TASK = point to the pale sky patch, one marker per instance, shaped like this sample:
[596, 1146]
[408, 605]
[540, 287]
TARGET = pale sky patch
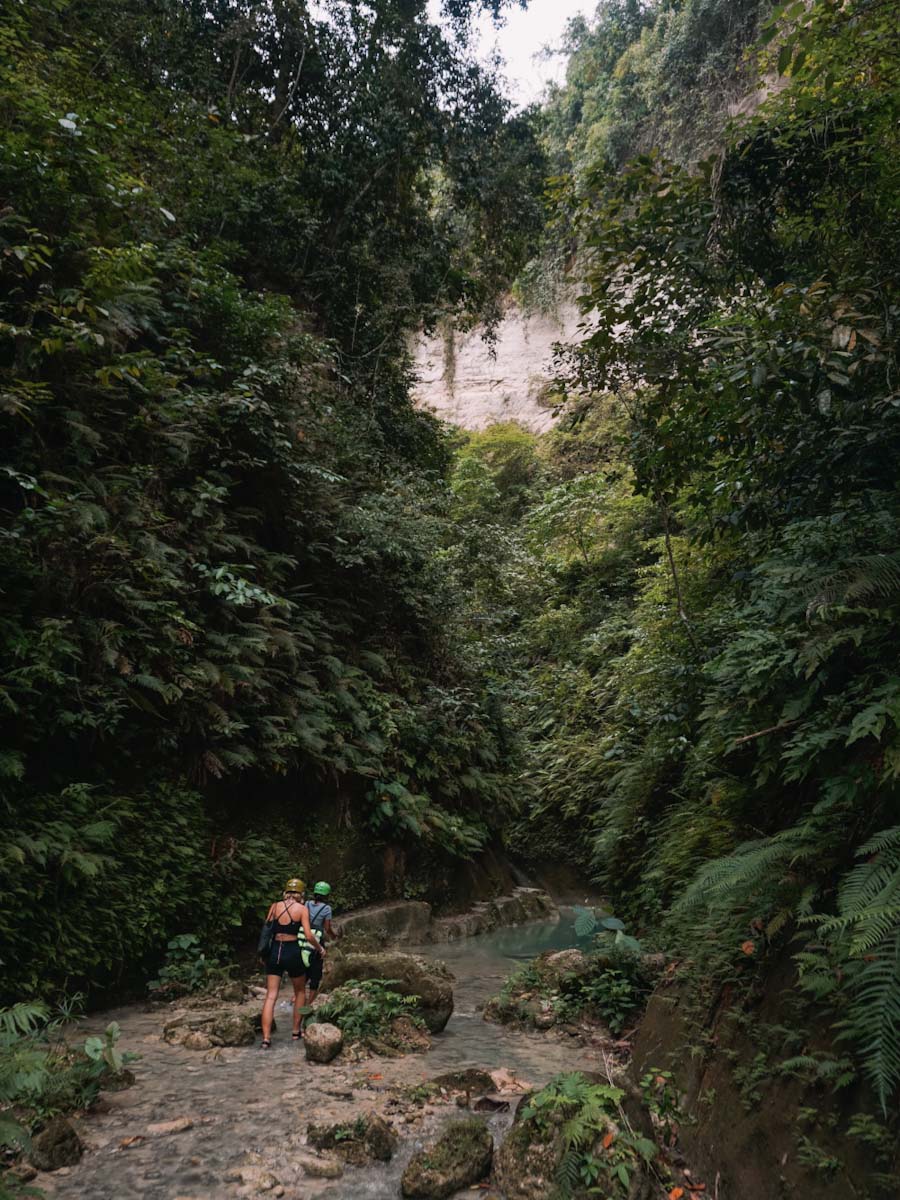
[522, 37]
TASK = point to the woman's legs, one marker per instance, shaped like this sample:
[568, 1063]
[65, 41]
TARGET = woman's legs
[273, 983]
[299, 994]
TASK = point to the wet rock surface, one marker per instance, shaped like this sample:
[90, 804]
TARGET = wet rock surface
[249, 1109]
[201, 1029]
[525, 1166]
[386, 924]
[525, 904]
[367, 1139]
[460, 1157]
[404, 923]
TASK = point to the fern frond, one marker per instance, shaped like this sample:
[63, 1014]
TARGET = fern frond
[865, 577]
[740, 874]
[873, 1020]
[569, 1172]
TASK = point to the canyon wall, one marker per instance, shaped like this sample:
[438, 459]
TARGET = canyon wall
[473, 383]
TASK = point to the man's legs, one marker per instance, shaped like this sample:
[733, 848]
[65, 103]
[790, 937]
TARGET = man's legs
[299, 994]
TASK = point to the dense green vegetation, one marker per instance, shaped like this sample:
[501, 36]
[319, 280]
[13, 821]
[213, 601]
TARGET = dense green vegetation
[704, 582]
[221, 610]
[253, 603]
[41, 1075]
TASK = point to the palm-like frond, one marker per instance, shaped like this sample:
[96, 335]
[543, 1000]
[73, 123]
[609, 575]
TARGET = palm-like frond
[867, 577]
[866, 930]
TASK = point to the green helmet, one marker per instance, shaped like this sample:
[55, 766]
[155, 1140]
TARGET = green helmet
[322, 889]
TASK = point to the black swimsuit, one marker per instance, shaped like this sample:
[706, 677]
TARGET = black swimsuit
[285, 956]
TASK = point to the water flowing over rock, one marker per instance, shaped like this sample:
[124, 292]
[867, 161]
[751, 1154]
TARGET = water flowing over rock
[385, 924]
[368, 1139]
[412, 922]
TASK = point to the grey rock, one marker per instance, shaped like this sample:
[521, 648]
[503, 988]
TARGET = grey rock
[399, 921]
[380, 1140]
[232, 1029]
[428, 979]
[359, 1142]
[322, 1042]
[564, 964]
[320, 1168]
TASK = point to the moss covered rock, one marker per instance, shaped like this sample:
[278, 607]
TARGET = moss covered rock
[461, 1156]
[57, 1145]
[526, 1165]
[428, 979]
[468, 1079]
[369, 1138]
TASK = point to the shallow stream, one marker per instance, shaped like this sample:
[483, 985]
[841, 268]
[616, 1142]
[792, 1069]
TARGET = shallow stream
[247, 1105]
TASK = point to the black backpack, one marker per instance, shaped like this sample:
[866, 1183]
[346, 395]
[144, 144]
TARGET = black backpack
[267, 934]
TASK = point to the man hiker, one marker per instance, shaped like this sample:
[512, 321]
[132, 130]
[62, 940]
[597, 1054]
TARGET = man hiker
[320, 915]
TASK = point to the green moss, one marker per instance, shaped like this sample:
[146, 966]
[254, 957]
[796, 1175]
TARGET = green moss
[459, 1143]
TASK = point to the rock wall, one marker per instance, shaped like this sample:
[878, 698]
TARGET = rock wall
[411, 922]
[473, 383]
[751, 1130]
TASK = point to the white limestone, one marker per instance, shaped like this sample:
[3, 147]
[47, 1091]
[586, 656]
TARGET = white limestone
[461, 381]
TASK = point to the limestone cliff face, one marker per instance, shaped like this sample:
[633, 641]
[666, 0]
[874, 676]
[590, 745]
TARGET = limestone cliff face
[461, 381]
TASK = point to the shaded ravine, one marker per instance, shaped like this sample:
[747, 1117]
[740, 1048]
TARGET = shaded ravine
[246, 1102]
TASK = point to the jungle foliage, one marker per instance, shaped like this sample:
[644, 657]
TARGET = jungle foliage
[219, 224]
[713, 711]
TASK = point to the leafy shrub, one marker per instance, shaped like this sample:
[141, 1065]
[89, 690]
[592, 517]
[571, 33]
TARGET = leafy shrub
[613, 994]
[365, 1009]
[187, 968]
[122, 882]
[40, 1075]
[600, 1152]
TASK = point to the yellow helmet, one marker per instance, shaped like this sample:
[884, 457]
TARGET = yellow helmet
[294, 885]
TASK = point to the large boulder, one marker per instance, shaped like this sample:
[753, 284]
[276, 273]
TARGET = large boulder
[563, 964]
[369, 1138]
[525, 1165]
[411, 975]
[57, 1145]
[460, 1157]
[232, 1028]
[528, 1162]
[199, 1029]
[323, 1042]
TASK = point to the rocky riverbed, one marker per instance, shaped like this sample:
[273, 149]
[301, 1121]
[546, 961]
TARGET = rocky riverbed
[230, 1121]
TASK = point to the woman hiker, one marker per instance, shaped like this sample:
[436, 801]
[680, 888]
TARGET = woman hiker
[291, 916]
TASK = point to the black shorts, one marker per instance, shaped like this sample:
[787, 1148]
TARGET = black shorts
[285, 956]
[314, 970]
